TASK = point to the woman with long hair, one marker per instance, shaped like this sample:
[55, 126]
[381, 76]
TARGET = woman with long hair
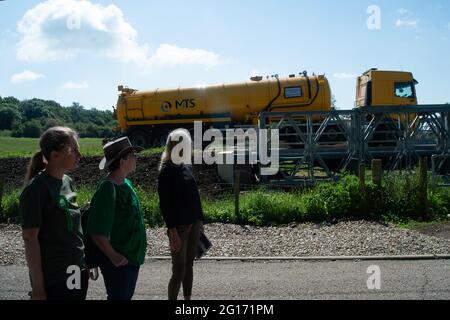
[182, 211]
[51, 220]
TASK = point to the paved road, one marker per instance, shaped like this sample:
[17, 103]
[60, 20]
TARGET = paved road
[263, 280]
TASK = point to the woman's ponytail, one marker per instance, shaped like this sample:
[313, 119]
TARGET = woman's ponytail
[36, 164]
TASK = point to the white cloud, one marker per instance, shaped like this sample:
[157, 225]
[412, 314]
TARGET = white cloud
[404, 12]
[344, 75]
[75, 85]
[171, 55]
[407, 20]
[26, 76]
[406, 23]
[63, 29]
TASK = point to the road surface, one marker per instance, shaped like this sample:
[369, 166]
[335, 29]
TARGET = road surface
[278, 280]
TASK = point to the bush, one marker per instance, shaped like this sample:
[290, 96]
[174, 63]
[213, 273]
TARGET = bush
[150, 207]
[32, 129]
[438, 204]
[263, 207]
[17, 132]
[5, 133]
[315, 208]
[396, 200]
[9, 212]
[378, 200]
[336, 200]
[219, 210]
[9, 117]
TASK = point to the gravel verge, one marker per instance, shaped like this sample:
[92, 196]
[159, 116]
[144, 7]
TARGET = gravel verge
[351, 238]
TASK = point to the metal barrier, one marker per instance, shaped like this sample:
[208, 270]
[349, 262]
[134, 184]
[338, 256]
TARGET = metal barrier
[318, 145]
[436, 167]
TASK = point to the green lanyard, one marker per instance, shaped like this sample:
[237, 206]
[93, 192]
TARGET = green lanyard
[63, 204]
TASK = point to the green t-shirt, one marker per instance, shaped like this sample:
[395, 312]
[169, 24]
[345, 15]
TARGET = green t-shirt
[120, 220]
[50, 204]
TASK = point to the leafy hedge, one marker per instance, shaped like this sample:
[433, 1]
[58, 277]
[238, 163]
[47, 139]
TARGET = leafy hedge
[396, 200]
[30, 118]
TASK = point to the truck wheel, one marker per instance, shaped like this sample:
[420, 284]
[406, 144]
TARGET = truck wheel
[139, 138]
[159, 141]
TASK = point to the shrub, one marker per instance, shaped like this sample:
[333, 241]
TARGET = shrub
[150, 207]
[32, 129]
[396, 200]
[9, 212]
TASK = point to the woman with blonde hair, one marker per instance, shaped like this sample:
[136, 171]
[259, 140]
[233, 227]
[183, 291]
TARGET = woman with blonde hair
[51, 220]
[181, 208]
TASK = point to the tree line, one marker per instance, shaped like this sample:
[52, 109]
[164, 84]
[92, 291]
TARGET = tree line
[29, 118]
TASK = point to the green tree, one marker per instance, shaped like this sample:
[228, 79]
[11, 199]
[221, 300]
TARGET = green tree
[9, 116]
[34, 108]
[32, 129]
[10, 100]
[24, 118]
[48, 123]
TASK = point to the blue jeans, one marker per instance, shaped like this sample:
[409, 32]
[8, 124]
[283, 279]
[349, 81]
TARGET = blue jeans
[120, 282]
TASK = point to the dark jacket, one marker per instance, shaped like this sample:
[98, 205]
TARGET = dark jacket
[179, 199]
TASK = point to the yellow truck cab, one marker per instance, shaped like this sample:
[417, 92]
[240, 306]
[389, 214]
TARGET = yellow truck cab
[386, 88]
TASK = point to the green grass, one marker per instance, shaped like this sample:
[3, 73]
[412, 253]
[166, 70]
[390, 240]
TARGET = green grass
[411, 224]
[153, 151]
[217, 210]
[26, 147]
[17, 147]
[397, 201]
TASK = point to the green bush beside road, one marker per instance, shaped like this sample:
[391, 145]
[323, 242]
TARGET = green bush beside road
[397, 200]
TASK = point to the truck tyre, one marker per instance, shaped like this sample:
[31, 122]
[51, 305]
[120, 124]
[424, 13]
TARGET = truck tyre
[139, 138]
[160, 140]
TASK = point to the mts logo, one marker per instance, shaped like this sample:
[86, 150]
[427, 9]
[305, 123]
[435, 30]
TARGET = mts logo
[179, 104]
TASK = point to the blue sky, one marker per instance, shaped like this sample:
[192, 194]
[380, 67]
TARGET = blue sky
[70, 50]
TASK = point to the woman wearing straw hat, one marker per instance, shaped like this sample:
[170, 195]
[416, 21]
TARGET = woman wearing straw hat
[115, 221]
[182, 211]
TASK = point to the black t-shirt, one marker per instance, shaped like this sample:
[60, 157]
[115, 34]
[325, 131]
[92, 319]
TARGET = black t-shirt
[50, 204]
[179, 198]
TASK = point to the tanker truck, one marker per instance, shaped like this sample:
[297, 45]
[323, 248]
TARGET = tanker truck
[146, 117]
